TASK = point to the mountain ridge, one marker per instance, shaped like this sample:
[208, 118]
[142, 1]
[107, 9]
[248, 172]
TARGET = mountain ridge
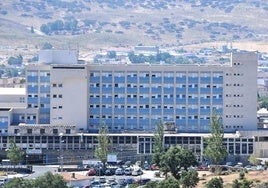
[100, 23]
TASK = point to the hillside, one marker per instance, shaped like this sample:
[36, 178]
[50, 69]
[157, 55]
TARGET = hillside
[94, 24]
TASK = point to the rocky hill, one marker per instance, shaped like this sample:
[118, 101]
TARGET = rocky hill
[100, 23]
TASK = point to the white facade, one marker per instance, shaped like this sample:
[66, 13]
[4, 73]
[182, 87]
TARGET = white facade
[240, 92]
[69, 92]
[12, 97]
[56, 56]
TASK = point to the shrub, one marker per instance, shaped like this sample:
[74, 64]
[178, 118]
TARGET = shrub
[215, 182]
[241, 175]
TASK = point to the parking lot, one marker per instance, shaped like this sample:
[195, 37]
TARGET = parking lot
[111, 181]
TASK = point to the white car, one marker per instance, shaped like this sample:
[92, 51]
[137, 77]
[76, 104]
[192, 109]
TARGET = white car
[3, 181]
[137, 172]
[119, 171]
[128, 171]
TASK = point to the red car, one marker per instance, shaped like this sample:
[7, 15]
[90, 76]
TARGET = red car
[202, 168]
[154, 167]
[91, 172]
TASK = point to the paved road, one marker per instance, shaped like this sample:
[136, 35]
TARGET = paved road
[41, 170]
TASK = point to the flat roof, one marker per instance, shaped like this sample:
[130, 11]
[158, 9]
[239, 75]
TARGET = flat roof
[12, 91]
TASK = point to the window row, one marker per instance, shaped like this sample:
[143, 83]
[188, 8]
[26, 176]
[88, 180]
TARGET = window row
[157, 74]
[234, 116]
[57, 107]
[235, 105]
[29, 117]
[56, 85]
[235, 85]
[43, 131]
[235, 74]
[234, 126]
[57, 95]
[234, 95]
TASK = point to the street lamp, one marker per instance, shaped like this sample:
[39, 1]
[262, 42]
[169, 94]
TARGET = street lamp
[26, 159]
[61, 152]
[8, 163]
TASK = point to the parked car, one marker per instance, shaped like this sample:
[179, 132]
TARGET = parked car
[86, 186]
[192, 168]
[121, 182]
[248, 167]
[142, 181]
[102, 180]
[239, 164]
[99, 171]
[109, 172]
[3, 181]
[119, 171]
[229, 164]
[94, 183]
[154, 167]
[137, 172]
[260, 168]
[129, 180]
[128, 163]
[91, 172]
[146, 167]
[80, 166]
[111, 181]
[128, 171]
[202, 168]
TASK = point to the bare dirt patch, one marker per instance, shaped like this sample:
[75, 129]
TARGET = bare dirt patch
[68, 176]
[256, 176]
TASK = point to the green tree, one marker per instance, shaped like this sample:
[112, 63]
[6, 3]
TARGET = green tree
[246, 183]
[175, 159]
[236, 184]
[170, 182]
[46, 46]
[215, 149]
[243, 184]
[103, 144]
[47, 180]
[151, 184]
[189, 179]
[253, 160]
[45, 29]
[12, 72]
[56, 25]
[263, 102]
[133, 186]
[15, 60]
[32, 29]
[14, 153]
[215, 183]
[111, 54]
[241, 175]
[19, 182]
[71, 24]
[50, 180]
[158, 148]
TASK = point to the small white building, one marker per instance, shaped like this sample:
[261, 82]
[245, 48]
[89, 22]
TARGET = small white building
[262, 116]
[12, 97]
